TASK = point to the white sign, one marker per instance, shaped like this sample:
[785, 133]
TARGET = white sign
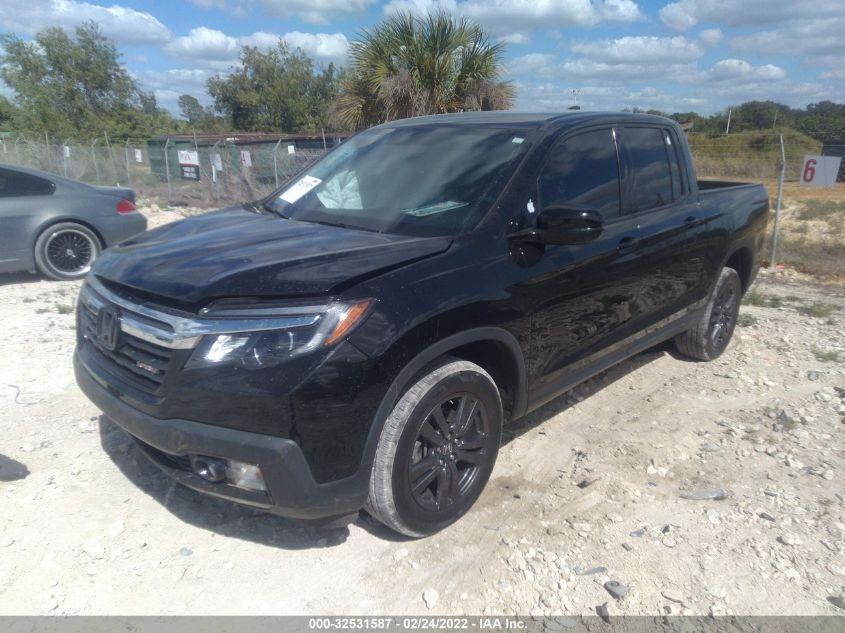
[820, 171]
[139, 156]
[291, 149]
[246, 158]
[300, 188]
[217, 162]
[66, 151]
[188, 157]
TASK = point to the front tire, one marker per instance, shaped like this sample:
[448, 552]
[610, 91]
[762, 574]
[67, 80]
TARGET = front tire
[66, 251]
[711, 335]
[437, 449]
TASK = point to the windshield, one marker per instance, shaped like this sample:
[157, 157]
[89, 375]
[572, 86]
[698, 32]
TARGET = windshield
[419, 180]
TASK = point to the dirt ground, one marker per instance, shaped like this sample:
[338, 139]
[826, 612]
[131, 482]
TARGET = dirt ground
[586, 490]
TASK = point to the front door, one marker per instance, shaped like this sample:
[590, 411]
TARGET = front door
[582, 297]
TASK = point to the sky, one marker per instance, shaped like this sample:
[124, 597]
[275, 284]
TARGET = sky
[700, 55]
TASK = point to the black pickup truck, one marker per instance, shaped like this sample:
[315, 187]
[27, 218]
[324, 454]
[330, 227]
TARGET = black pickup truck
[358, 338]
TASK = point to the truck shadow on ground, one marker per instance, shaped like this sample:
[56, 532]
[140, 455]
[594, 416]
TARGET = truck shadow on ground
[230, 519]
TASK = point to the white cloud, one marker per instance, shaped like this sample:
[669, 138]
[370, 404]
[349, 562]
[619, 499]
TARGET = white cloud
[217, 50]
[205, 44]
[514, 20]
[711, 37]
[122, 24]
[314, 11]
[541, 97]
[684, 14]
[532, 63]
[836, 75]
[819, 39]
[640, 50]
[740, 70]
[320, 46]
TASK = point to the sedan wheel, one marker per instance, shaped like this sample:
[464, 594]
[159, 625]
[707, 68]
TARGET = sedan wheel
[66, 251]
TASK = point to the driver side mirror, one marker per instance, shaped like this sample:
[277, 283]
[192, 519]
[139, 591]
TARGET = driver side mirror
[563, 225]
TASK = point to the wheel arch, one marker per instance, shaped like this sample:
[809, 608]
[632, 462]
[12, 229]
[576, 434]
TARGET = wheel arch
[53, 221]
[741, 260]
[493, 348]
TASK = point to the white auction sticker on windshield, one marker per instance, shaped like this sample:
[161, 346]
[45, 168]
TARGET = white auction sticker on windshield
[300, 188]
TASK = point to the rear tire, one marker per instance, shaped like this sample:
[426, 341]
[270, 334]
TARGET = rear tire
[437, 449]
[711, 335]
[66, 251]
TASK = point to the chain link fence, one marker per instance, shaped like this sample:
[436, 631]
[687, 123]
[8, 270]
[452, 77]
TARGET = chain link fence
[201, 171]
[212, 170]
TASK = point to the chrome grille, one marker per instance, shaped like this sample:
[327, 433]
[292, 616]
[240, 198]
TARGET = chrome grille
[142, 364]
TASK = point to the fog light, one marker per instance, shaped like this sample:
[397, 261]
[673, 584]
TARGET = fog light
[245, 475]
[209, 468]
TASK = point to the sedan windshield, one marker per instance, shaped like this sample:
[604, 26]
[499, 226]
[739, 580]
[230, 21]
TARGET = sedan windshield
[418, 180]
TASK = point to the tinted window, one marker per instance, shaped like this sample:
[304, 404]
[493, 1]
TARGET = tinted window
[678, 189]
[650, 179]
[14, 183]
[583, 172]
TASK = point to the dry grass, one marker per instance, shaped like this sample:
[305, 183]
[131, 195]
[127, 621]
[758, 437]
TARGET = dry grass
[812, 230]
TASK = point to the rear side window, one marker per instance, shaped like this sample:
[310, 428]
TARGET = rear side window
[650, 182]
[678, 189]
[583, 171]
[15, 183]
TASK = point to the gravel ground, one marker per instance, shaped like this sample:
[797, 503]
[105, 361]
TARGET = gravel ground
[587, 505]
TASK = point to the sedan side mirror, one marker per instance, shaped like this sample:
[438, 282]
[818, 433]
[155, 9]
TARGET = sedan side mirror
[563, 225]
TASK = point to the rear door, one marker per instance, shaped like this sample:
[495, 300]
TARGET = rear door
[581, 296]
[657, 192]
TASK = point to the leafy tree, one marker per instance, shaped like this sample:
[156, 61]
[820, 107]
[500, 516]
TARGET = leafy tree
[278, 90]
[75, 86]
[7, 113]
[191, 109]
[409, 66]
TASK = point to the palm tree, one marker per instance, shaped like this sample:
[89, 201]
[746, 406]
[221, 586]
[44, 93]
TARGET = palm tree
[409, 66]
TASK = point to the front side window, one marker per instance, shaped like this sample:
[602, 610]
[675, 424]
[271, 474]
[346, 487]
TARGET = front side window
[583, 172]
[650, 181]
[15, 183]
[420, 180]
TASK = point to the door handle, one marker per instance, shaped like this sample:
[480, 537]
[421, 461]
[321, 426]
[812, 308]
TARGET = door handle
[627, 243]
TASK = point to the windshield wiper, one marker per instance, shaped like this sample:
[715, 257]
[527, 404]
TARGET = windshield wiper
[263, 208]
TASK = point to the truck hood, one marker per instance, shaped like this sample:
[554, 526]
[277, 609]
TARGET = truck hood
[238, 253]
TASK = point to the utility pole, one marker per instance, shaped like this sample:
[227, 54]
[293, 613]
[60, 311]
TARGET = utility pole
[728, 126]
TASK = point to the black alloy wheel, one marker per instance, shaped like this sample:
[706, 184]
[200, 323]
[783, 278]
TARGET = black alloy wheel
[449, 452]
[70, 251]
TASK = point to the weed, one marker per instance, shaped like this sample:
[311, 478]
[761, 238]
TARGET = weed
[819, 309]
[64, 308]
[821, 210]
[746, 320]
[826, 355]
[754, 298]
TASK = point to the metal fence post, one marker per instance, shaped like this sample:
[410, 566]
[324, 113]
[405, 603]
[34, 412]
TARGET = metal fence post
[275, 163]
[17, 150]
[126, 158]
[167, 170]
[65, 144]
[94, 157]
[777, 202]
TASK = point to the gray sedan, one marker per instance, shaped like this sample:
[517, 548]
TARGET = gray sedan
[58, 225]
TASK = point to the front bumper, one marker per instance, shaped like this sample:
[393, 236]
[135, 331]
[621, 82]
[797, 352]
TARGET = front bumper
[291, 488]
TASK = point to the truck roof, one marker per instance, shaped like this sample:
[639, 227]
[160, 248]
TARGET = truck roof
[528, 119]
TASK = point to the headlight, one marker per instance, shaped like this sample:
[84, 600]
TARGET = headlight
[257, 336]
